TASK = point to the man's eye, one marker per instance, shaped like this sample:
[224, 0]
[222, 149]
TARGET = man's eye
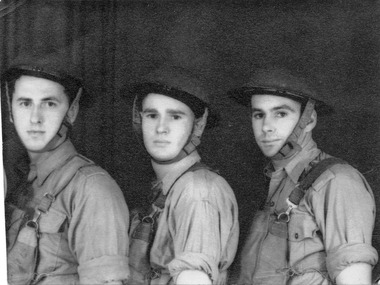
[49, 104]
[257, 115]
[281, 114]
[25, 103]
[150, 115]
[176, 117]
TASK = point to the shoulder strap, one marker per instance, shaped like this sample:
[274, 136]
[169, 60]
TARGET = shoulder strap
[67, 173]
[160, 199]
[316, 171]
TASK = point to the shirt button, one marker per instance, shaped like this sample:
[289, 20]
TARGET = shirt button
[271, 204]
[296, 235]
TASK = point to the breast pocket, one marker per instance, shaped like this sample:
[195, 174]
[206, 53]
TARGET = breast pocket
[53, 238]
[302, 235]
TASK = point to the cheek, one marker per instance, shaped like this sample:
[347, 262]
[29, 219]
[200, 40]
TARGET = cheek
[184, 131]
[55, 116]
[256, 127]
[146, 128]
[288, 127]
[19, 117]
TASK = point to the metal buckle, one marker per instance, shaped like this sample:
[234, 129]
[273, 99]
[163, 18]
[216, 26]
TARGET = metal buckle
[154, 274]
[51, 197]
[148, 220]
[285, 216]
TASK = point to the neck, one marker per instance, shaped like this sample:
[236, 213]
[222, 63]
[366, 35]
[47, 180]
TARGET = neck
[162, 169]
[34, 156]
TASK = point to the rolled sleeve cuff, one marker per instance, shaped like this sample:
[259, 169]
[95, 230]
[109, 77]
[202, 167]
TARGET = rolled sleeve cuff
[104, 269]
[347, 254]
[193, 261]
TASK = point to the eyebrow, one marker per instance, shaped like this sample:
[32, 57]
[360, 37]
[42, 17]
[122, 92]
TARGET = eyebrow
[170, 111]
[281, 107]
[44, 99]
[23, 99]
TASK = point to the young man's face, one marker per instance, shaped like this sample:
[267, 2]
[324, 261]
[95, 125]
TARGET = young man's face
[273, 120]
[38, 108]
[166, 125]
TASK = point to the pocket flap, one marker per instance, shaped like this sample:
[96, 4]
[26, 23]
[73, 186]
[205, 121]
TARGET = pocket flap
[301, 226]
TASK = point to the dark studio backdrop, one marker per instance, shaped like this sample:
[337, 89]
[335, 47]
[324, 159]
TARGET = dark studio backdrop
[336, 45]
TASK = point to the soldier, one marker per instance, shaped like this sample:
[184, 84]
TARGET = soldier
[195, 210]
[68, 223]
[313, 229]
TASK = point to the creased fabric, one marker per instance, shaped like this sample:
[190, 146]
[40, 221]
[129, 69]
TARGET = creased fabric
[198, 228]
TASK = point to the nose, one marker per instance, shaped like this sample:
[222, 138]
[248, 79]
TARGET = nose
[36, 115]
[162, 126]
[268, 125]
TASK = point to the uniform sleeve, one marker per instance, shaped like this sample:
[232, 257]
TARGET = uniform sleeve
[98, 231]
[205, 227]
[346, 218]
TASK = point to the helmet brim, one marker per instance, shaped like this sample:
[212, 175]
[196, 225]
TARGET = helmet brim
[141, 90]
[244, 94]
[67, 81]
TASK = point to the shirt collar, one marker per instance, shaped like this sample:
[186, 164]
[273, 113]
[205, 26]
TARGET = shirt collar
[51, 160]
[181, 167]
[298, 163]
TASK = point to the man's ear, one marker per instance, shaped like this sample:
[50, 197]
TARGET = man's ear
[9, 101]
[200, 124]
[72, 113]
[312, 123]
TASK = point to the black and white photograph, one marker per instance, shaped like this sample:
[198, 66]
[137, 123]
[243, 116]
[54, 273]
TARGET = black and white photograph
[150, 142]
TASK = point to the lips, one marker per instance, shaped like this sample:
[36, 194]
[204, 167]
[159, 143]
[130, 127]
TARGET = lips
[161, 142]
[35, 132]
[269, 141]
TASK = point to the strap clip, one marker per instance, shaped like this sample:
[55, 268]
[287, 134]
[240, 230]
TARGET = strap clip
[285, 216]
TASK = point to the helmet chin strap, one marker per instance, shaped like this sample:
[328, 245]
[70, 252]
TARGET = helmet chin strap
[291, 146]
[193, 142]
[66, 125]
[59, 137]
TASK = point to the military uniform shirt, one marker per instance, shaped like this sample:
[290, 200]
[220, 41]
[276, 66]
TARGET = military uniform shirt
[84, 235]
[335, 219]
[198, 228]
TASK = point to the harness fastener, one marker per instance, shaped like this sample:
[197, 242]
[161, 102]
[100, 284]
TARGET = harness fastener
[285, 216]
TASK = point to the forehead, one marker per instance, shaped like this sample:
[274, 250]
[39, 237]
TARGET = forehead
[267, 102]
[36, 87]
[160, 101]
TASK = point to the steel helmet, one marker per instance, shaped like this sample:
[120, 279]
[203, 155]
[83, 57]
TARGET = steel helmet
[182, 85]
[280, 82]
[54, 67]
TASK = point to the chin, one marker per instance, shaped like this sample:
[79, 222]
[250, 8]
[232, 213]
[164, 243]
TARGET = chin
[35, 148]
[162, 157]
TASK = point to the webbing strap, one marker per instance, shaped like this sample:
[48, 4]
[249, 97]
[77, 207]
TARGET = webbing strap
[68, 171]
[299, 192]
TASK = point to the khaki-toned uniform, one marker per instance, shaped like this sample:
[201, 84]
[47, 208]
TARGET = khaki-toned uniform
[84, 235]
[198, 228]
[330, 229]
